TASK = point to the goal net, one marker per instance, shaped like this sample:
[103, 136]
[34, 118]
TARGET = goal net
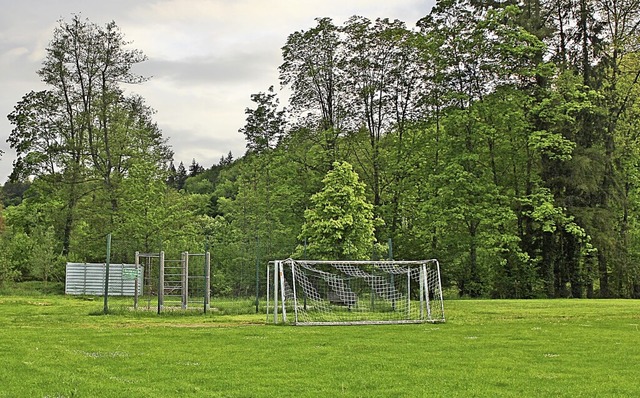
[308, 292]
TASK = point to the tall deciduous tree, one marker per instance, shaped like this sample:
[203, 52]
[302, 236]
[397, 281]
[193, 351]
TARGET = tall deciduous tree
[383, 75]
[265, 124]
[311, 69]
[83, 128]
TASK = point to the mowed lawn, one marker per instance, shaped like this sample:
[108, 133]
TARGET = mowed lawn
[55, 346]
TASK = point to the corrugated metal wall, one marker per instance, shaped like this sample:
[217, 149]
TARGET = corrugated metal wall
[88, 278]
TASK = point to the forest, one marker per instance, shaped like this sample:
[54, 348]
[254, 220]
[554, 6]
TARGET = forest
[500, 137]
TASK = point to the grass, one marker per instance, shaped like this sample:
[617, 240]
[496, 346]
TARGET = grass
[51, 346]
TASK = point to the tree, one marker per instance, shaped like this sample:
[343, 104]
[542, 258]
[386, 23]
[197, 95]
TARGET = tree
[145, 214]
[226, 161]
[12, 192]
[195, 168]
[83, 129]
[265, 124]
[180, 177]
[45, 263]
[620, 20]
[384, 75]
[171, 175]
[8, 272]
[2, 225]
[340, 224]
[311, 69]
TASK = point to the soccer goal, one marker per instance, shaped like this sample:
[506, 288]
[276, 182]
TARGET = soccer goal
[308, 292]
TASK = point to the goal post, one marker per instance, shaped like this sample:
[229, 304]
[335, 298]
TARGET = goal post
[312, 292]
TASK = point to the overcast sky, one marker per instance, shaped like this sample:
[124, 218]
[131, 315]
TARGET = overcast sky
[206, 57]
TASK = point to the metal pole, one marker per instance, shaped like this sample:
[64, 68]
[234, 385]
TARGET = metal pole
[393, 279]
[295, 296]
[207, 275]
[275, 292]
[257, 273]
[148, 281]
[161, 283]
[282, 294]
[185, 281]
[106, 276]
[421, 283]
[440, 289]
[408, 292]
[136, 286]
[304, 292]
[207, 280]
[268, 284]
[426, 291]
[426, 288]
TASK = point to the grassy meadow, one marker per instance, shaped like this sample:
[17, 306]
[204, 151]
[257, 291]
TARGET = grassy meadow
[57, 346]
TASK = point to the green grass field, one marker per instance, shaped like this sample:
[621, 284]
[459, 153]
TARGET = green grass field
[52, 346]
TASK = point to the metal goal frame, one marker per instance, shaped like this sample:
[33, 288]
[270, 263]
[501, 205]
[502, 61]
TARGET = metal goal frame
[417, 292]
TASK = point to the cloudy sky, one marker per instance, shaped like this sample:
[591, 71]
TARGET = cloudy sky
[206, 57]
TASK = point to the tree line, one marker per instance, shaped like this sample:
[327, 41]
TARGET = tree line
[499, 137]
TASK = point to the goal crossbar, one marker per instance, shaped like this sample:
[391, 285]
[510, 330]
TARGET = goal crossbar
[317, 292]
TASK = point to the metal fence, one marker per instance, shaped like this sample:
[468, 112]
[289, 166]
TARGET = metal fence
[89, 278]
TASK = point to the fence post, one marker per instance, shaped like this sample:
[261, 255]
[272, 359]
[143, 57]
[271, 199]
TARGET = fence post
[161, 283]
[136, 285]
[106, 276]
[185, 280]
[207, 280]
[257, 272]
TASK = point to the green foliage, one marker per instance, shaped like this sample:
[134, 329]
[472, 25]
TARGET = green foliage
[467, 144]
[198, 185]
[12, 192]
[340, 224]
[8, 272]
[30, 256]
[46, 263]
[265, 124]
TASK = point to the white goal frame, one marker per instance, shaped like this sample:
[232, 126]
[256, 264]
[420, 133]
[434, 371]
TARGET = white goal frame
[314, 292]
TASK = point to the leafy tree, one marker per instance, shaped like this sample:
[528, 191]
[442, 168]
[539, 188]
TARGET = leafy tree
[46, 264]
[626, 271]
[265, 124]
[383, 73]
[340, 225]
[83, 129]
[311, 69]
[13, 192]
[8, 272]
[518, 174]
